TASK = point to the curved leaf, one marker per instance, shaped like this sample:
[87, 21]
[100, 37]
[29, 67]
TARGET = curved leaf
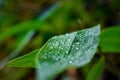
[61, 52]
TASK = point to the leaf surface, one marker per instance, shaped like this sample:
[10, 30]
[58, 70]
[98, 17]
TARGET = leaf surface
[61, 52]
[96, 70]
[28, 60]
[110, 40]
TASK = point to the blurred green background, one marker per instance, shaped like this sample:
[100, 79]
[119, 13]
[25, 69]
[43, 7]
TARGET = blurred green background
[25, 25]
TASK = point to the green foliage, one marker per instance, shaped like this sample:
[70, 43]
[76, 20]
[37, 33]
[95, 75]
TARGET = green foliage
[61, 52]
[19, 45]
[19, 28]
[28, 60]
[96, 70]
[110, 39]
[25, 25]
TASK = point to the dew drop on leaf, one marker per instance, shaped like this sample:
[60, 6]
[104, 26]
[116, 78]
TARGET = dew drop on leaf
[70, 61]
[66, 51]
[77, 48]
[77, 43]
[61, 52]
[51, 47]
[68, 40]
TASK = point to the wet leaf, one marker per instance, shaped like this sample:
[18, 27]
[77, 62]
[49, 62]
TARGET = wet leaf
[61, 52]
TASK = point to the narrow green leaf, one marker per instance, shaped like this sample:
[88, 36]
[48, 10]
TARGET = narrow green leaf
[96, 70]
[49, 11]
[28, 60]
[24, 39]
[22, 27]
[110, 39]
[29, 25]
[61, 52]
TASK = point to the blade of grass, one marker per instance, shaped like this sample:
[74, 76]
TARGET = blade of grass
[24, 41]
[96, 70]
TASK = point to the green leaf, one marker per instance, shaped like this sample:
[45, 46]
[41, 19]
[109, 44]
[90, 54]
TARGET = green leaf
[28, 60]
[96, 70]
[29, 25]
[61, 52]
[110, 40]
[19, 28]
[19, 45]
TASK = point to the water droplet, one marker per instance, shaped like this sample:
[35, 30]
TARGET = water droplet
[70, 62]
[68, 40]
[51, 47]
[77, 48]
[77, 43]
[66, 51]
[73, 45]
[61, 48]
